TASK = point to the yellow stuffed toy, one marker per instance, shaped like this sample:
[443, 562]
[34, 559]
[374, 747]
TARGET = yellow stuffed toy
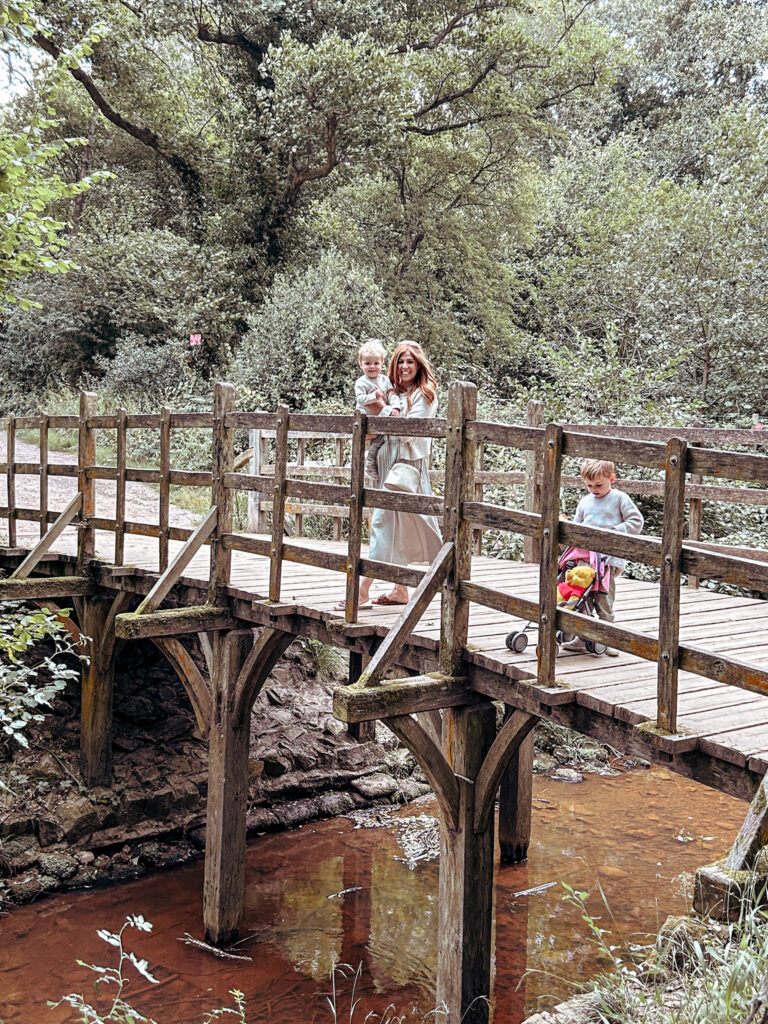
[576, 582]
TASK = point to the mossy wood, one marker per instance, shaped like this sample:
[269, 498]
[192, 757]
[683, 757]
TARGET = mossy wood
[361, 702]
[174, 622]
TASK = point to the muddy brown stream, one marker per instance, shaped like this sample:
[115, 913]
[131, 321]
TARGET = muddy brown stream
[333, 892]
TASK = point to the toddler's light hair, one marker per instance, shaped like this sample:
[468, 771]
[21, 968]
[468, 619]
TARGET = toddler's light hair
[372, 347]
[597, 469]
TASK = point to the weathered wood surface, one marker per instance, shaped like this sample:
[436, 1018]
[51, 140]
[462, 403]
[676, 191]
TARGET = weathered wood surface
[669, 598]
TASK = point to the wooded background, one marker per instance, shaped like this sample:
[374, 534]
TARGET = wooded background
[563, 200]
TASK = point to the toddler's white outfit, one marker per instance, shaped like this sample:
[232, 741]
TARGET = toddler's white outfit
[365, 394]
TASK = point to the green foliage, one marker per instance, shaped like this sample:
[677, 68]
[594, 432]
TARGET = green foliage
[33, 669]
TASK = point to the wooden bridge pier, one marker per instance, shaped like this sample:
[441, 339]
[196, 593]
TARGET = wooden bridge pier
[445, 713]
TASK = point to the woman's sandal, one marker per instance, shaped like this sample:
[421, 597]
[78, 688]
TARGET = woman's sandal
[386, 599]
[341, 606]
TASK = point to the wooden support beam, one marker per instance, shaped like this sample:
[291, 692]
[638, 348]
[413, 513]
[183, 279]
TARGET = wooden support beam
[550, 550]
[534, 418]
[433, 763]
[47, 540]
[86, 457]
[516, 802]
[191, 678]
[40, 588]
[669, 598]
[97, 685]
[387, 653]
[363, 703]
[10, 483]
[460, 456]
[753, 834]
[241, 666]
[465, 903]
[165, 487]
[43, 474]
[172, 574]
[515, 729]
[121, 462]
[360, 731]
[174, 622]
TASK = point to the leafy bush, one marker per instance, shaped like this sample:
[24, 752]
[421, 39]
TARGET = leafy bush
[33, 669]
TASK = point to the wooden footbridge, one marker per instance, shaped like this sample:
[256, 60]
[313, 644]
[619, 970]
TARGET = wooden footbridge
[690, 687]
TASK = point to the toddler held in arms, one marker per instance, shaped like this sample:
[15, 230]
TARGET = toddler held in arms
[607, 509]
[370, 391]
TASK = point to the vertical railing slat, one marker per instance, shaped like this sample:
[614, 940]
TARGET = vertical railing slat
[356, 486]
[669, 597]
[278, 502]
[165, 486]
[479, 495]
[10, 459]
[120, 458]
[300, 462]
[44, 427]
[549, 552]
[460, 455]
[222, 462]
[533, 466]
[695, 516]
[339, 479]
[86, 458]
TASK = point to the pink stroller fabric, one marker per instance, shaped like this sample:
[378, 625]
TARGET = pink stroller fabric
[597, 561]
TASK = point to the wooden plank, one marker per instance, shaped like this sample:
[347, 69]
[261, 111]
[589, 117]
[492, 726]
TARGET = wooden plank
[172, 574]
[165, 486]
[460, 455]
[733, 465]
[633, 453]
[403, 501]
[86, 456]
[47, 540]
[534, 416]
[278, 503]
[693, 435]
[508, 435]
[222, 460]
[345, 492]
[40, 587]
[387, 653]
[479, 493]
[753, 834]
[515, 729]
[550, 548]
[174, 622]
[44, 427]
[516, 801]
[695, 509]
[354, 544]
[301, 447]
[362, 703]
[10, 481]
[196, 420]
[669, 599]
[499, 517]
[120, 460]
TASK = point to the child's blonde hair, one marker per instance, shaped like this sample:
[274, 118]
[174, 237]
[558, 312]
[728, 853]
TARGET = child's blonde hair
[372, 347]
[597, 469]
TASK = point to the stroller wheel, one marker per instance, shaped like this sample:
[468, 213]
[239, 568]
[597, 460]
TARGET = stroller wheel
[564, 638]
[595, 647]
[517, 641]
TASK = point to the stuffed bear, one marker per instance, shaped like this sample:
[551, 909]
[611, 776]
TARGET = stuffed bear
[576, 582]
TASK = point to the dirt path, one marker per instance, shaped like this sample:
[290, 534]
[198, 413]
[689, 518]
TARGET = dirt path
[141, 501]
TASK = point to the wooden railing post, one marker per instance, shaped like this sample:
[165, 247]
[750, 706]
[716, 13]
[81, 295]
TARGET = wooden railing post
[44, 427]
[165, 486]
[222, 461]
[550, 521]
[278, 502]
[669, 597]
[86, 458]
[356, 486]
[121, 459]
[459, 487]
[10, 477]
[695, 515]
[339, 479]
[534, 417]
[301, 447]
[477, 545]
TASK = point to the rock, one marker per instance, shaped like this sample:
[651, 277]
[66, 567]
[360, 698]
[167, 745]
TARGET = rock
[24, 887]
[334, 727]
[46, 767]
[331, 805]
[681, 940]
[196, 836]
[297, 813]
[17, 823]
[411, 789]
[376, 786]
[543, 762]
[49, 832]
[255, 768]
[59, 865]
[275, 764]
[88, 877]
[561, 754]
[77, 817]
[85, 857]
[261, 819]
[567, 775]
[122, 872]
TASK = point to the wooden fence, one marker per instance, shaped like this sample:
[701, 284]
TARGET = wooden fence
[681, 459]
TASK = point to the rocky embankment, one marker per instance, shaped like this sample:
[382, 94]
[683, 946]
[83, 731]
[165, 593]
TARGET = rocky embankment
[55, 834]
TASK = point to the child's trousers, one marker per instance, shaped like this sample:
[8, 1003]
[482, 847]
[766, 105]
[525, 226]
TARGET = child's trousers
[601, 602]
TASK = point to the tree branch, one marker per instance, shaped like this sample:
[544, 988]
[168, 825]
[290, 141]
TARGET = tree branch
[450, 97]
[186, 172]
[454, 23]
[299, 177]
[207, 35]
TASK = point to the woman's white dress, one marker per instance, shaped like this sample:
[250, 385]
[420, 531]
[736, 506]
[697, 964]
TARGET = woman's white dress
[404, 537]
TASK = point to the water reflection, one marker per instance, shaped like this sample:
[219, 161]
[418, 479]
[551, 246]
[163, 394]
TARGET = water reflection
[332, 893]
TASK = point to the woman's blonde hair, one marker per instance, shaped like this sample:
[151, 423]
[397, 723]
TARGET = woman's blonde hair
[425, 377]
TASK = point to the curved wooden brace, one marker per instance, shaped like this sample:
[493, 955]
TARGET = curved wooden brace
[191, 678]
[507, 741]
[430, 757]
[268, 647]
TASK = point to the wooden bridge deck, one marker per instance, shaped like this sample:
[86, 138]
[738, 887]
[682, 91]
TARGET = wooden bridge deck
[731, 724]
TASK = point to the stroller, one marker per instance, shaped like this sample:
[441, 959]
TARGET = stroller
[573, 596]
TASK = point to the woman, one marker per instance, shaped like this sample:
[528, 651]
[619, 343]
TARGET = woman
[405, 537]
